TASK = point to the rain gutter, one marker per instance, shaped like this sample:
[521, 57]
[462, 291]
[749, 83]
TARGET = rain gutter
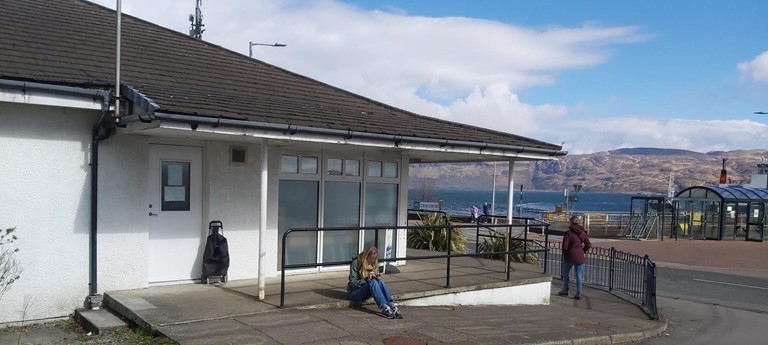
[348, 134]
[27, 86]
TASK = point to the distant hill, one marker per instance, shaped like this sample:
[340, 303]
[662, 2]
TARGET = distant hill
[634, 170]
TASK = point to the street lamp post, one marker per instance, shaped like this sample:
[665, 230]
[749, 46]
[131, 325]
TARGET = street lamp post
[251, 44]
[573, 198]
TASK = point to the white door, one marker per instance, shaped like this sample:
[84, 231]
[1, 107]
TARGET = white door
[176, 234]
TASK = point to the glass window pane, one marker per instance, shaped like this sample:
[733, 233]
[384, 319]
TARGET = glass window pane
[289, 164]
[341, 208]
[309, 165]
[334, 166]
[381, 210]
[297, 208]
[374, 168]
[175, 188]
[353, 167]
[390, 169]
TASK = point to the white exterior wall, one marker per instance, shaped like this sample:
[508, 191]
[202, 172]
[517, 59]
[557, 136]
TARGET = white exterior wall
[122, 213]
[233, 198]
[45, 194]
[45, 189]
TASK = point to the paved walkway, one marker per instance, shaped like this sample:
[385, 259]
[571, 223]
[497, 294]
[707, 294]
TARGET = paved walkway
[599, 318]
[739, 254]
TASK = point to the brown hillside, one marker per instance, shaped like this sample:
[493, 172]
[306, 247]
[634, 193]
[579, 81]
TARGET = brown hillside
[639, 170]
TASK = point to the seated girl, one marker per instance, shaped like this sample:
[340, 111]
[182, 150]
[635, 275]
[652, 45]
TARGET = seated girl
[365, 282]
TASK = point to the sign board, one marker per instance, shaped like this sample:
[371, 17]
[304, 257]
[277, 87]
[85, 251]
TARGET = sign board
[426, 206]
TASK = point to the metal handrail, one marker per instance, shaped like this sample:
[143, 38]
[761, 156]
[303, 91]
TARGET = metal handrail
[283, 266]
[630, 275]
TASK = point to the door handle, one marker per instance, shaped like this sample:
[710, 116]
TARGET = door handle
[152, 214]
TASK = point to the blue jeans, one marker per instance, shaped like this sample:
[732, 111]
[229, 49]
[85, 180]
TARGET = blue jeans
[567, 276]
[375, 288]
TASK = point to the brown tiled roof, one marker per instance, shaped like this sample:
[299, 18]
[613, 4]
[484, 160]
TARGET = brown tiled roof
[72, 42]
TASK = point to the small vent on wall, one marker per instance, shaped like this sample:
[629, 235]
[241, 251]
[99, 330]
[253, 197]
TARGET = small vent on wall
[237, 155]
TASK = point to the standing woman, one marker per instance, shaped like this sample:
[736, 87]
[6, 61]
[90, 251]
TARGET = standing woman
[365, 282]
[575, 246]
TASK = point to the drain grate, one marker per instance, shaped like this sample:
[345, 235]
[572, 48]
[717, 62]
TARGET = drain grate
[403, 341]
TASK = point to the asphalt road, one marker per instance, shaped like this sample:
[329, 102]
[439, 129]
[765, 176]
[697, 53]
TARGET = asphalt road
[712, 307]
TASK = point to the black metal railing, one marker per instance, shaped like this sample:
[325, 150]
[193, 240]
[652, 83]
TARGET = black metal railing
[530, 247]
[631, 275]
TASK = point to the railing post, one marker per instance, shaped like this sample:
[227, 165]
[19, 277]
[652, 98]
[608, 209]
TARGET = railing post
[525, 244]
[546, 246]
[508, 238]
[610, 269]
[650, 288]
[282, 270]
[448, 259]
[477, 234]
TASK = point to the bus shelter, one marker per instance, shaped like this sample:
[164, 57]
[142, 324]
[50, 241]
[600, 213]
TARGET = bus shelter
[650, 216]
[717, 213]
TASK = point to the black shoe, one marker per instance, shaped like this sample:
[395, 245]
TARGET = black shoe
[388, 312]
[562, 293]
[396, 310]
[577, 297]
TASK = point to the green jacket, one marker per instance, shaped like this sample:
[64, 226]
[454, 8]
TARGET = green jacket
[355, 282]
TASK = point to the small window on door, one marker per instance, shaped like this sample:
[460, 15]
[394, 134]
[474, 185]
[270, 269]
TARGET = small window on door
[175, 186]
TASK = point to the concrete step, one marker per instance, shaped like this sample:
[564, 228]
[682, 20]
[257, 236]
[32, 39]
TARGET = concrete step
[98, 321]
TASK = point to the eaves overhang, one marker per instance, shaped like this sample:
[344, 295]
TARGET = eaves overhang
[28, 92]
[286, 132]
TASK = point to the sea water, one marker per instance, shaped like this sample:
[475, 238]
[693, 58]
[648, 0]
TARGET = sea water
[459, 202]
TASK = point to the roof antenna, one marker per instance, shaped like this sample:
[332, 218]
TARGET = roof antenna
[196, 22]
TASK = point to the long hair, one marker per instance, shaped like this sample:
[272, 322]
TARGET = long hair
[363, 257]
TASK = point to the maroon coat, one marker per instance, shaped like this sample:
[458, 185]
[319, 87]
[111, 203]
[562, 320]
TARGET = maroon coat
[575, 244]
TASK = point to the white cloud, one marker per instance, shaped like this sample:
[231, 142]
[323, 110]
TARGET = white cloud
[585, 136]
[460, 69]
[756, 70]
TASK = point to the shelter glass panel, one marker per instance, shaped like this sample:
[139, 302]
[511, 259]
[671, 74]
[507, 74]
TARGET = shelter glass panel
[730, 221]
[334, 166]
[711, 220]
[374, 168]
[341, 208]
[381, 210]
[297, 208]
[756, 218]
[698, 193]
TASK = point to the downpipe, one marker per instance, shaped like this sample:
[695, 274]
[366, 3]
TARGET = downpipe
[101, 131]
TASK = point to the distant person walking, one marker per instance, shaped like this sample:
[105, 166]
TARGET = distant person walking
[575, 246]
[475, 212]
[486, 209]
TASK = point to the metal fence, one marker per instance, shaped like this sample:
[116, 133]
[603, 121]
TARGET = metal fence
[527, 248]
[623, 273]
[631, 275]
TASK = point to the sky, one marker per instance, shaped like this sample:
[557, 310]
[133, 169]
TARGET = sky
[591, 75]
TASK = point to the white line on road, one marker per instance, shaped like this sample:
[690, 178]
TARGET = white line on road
[724, 283]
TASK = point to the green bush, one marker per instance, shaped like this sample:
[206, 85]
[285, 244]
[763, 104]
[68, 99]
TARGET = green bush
[436, 239]
[497, 243]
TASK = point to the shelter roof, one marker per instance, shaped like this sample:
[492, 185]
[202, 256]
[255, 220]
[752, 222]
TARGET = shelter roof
[72, 42]
[725, 194]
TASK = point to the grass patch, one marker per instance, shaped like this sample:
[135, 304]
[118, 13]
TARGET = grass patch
[75, 334]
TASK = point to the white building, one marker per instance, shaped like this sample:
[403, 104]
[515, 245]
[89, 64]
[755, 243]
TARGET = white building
[204, 134]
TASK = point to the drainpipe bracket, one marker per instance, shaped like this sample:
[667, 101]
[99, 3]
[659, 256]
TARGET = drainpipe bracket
[93, 302]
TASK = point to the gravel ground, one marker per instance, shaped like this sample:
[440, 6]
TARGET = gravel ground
[65, 332]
